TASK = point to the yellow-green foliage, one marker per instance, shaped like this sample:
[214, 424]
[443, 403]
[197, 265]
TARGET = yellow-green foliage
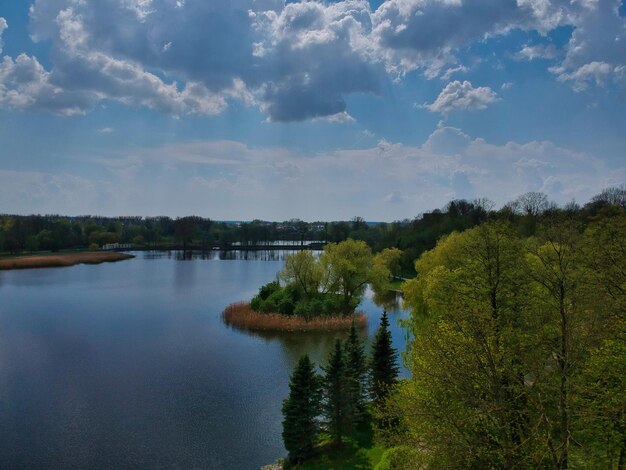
[519, 349]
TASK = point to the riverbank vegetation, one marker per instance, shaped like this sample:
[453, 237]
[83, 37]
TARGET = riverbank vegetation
[62, 259]
[327, 419]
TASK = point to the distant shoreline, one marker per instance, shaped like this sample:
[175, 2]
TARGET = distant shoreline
[240, 315]
[58, 260]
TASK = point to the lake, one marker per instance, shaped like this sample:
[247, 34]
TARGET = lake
[129, 365]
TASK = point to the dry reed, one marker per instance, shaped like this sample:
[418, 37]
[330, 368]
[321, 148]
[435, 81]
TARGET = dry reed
[241, 315]
[62, 259]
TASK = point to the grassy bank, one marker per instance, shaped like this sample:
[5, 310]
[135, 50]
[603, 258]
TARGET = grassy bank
[241, 315]
[58, 260]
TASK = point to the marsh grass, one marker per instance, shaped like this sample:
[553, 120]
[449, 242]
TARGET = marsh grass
[241, 315]
[62, 259]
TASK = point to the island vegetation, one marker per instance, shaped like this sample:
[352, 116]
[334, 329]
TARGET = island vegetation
[317, 292]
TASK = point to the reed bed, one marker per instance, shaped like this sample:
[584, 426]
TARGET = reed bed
[241, 315]
[62, 260]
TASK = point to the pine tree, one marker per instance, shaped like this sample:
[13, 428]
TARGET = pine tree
[300, 411]
[384, 368]
[336, 405]
[356, 369]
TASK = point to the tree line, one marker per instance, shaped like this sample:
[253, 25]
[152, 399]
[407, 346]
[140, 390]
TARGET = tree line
[338, 402]
[412, 236]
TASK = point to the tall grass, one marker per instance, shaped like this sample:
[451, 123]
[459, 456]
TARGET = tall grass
[62, 259]
[241, 315]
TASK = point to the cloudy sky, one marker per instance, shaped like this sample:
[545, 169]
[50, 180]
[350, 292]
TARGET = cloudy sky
[241, 109]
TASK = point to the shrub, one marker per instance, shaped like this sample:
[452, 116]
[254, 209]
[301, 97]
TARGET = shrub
[268, 289]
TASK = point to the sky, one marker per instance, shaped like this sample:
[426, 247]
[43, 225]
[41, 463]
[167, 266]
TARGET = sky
[244, 109]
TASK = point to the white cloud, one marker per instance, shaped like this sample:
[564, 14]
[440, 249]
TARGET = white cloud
[597, 73]
[24, 84]
[3, 25]
[342, 117]
[538, 51]
[105, 130]
[462, 96]
[226, 179]
[596, 51]
[453, 70]
[296, 60]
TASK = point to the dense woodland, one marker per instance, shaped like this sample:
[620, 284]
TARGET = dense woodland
[32, 233]
[519, 347]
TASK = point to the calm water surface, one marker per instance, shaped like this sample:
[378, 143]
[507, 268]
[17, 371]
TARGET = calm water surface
[129, 365]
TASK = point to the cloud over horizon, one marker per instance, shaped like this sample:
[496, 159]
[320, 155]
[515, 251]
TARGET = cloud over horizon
[226, 179]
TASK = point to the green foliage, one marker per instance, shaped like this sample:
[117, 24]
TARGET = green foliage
[300, 411]
[356, 375]
[384, 368]
[349, 266]
[304, 272]
[518, 352]
[272, 298]
[337, 407]
[401, 458]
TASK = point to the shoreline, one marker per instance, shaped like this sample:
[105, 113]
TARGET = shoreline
[60, 260]
[240, 315]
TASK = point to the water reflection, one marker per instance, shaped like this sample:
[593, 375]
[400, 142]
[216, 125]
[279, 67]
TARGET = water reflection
[228, 255]
[317, 344]
[388, 300]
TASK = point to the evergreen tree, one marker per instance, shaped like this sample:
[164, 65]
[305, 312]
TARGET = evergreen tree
[300, 411]
[356, 369]
[336, 406]
[384, 368]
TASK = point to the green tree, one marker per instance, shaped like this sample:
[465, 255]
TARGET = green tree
[303, 270]
[555, 268]
[384, 368]
[32, 243]
[349, 268]
[337, 407]
[301, 410]
[389, 258]
[600, 417]
[185, 229]
[356, 374]
[470, 354]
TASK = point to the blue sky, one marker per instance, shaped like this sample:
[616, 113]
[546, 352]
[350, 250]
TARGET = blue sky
[241, 109]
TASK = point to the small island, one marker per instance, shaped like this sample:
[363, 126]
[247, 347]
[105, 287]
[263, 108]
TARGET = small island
[56, 260]
[317, 293]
